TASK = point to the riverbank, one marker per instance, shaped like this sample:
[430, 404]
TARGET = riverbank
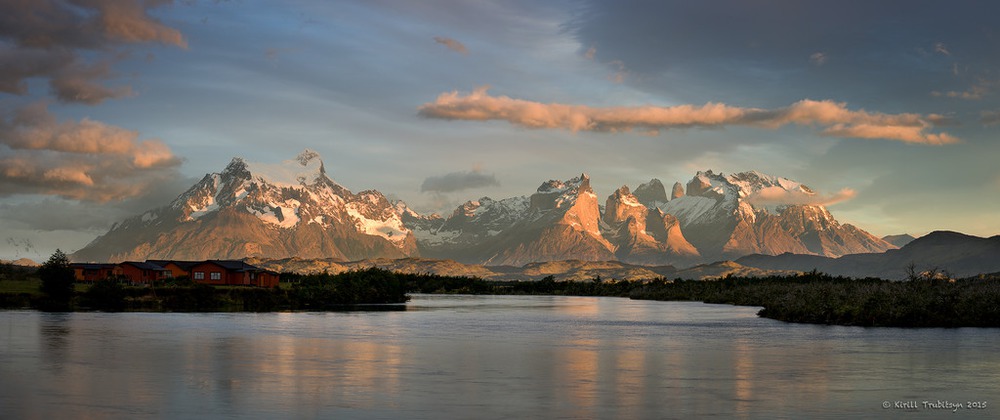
[813, 298]
[313, 292]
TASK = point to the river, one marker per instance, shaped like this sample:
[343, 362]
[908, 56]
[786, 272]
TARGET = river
[488, 357]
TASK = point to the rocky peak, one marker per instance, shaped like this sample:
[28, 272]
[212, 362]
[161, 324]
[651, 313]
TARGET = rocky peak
[677, 191]
[621, 205]
[651, 193]
[700, 184]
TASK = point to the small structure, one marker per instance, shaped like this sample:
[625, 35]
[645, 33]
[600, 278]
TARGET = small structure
[177, 268]
[214, 272]
[231, 272]
[91, 272]
[141, 272]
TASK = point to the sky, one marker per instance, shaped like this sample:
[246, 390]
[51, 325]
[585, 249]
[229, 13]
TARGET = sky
[112, 107]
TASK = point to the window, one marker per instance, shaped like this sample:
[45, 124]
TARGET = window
[199, 275]
[216, 275]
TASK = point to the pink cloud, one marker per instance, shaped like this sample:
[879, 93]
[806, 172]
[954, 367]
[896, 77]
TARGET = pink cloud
[451, 44]
[83, 160]
[833, 117]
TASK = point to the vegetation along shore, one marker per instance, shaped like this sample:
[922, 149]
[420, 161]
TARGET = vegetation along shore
[808, 298]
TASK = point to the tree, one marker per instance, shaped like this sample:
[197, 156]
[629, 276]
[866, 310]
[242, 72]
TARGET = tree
[57, 279]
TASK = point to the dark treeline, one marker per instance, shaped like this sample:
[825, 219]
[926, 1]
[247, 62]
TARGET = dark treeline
[303, 292]
[809, 298]
[820, 299]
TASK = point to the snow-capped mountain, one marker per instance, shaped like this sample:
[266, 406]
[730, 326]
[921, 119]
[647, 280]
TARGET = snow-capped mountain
[257, 209]
[293, 209]
[754, 213]
[717, 217]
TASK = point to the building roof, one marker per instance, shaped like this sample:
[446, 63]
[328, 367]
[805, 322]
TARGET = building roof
[93, 266]
[184, 265]
[144, 265]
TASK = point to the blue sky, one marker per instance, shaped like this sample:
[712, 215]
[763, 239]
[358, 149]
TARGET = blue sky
[112, 107]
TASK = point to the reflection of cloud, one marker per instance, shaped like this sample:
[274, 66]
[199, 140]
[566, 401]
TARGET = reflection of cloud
[457, 181]
[834, 117]
[779, 196]
[818, 58]
[43, 38]
[451, 44]
[85, 160]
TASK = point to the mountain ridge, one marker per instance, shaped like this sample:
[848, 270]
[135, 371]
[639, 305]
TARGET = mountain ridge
[294, 209]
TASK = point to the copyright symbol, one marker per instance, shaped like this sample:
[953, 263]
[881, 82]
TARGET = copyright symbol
[886, 404]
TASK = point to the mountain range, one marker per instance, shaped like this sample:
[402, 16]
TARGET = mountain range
[294, 209]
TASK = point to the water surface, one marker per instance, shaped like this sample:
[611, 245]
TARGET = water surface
[486, 357]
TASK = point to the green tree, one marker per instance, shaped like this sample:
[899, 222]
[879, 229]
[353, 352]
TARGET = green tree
[57, 279]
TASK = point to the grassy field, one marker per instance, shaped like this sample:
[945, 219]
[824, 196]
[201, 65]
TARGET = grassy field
[31, 285]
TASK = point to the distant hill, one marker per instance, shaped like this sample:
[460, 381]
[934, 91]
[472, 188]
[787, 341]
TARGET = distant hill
[898, 240]
[571, 270]
[959, 254]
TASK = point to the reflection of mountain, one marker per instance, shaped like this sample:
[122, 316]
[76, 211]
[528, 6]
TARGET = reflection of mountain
[958, 254]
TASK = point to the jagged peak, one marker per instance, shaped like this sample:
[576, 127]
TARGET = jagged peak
[306, 156]
[304, 169]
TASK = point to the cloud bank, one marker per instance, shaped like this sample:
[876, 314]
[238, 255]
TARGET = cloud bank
[833, 118]
[457, 181]
[82, 160]
[48, 38]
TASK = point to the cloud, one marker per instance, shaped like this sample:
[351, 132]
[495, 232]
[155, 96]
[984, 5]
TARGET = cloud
[940, 48]
[82, 160]
[990, 117]
[49, 38]
[457, 181]
[451, 44]
[620, 71]
[818, 59]
[833, 117]
[590, 53]
[977, 91]
[780, 196]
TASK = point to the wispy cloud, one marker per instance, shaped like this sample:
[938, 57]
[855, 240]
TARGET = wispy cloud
[818, 59]
[977, 91]
[451, 44]
[47, 39]
[82, 160]
[457, 181]
[940, 48]
[990, 117]
[780, 196]
[833, 118]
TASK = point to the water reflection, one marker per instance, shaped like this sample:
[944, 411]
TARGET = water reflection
[511, 357]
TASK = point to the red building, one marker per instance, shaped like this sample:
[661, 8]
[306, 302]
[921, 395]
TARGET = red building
[92, 272]
[177, 268]
[214, 272]
[234, 273]
[141, 272]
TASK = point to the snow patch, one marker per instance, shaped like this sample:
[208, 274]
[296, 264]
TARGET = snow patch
[391, 229]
